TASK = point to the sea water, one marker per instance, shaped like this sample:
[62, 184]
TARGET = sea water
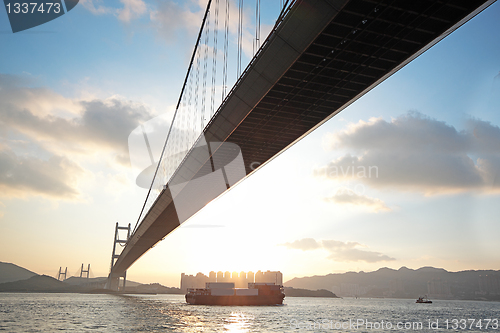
[37, 312]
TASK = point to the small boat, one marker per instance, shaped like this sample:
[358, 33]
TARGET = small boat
[423, 300]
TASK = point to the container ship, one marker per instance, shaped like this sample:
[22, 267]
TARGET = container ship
[224, 293]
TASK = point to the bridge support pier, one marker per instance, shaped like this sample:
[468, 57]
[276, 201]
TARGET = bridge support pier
[113, 282]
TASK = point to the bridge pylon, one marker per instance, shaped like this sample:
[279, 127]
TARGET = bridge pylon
[83, 272]
[61, 274]
[113, 282]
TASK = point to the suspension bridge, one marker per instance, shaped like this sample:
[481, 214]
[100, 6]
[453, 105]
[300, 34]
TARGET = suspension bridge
[319, 57]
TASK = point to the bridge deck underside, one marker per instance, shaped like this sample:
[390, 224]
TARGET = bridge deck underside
[323, 56]
[357, 49]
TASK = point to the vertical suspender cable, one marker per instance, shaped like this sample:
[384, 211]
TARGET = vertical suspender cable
[190, 107]
[240, 37]
[197, 90]
[181, 128]
[257, 26]
[205, 69]
[214, 60]
[226, 45]
[176, 108]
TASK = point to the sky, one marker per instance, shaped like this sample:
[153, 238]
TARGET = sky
[408, 175]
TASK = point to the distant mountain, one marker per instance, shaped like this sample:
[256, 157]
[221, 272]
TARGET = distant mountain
[14, 278]
[153, 288]
[77, 281]
[97, 282]
[37, 283]
[295, 292]
[407, 283]
[10, 273]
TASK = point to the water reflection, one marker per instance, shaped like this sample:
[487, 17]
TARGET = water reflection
[238, 322]
[170, 313]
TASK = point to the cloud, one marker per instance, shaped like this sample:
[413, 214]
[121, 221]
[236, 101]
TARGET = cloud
[339, 251]
[131, 9]
[348, 251]
[16, 91]
[102, 125]
[172, 20]
[64, 125]
[110, 122]
[96, 7]
[303, 244]
[92, 131]
[417, 153]
[169, 19]
[408, 129]
[349, 197]
[43, 148]
[22, 176]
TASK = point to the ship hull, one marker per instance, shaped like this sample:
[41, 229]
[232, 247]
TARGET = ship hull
[235, 299]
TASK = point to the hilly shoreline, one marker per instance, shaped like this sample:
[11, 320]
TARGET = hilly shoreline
[437, 283]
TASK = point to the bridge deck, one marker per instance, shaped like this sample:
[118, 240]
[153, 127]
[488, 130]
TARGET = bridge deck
[320, 59]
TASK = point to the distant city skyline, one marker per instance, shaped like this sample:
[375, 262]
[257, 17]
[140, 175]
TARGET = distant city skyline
[240, 279]
[423, 145]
